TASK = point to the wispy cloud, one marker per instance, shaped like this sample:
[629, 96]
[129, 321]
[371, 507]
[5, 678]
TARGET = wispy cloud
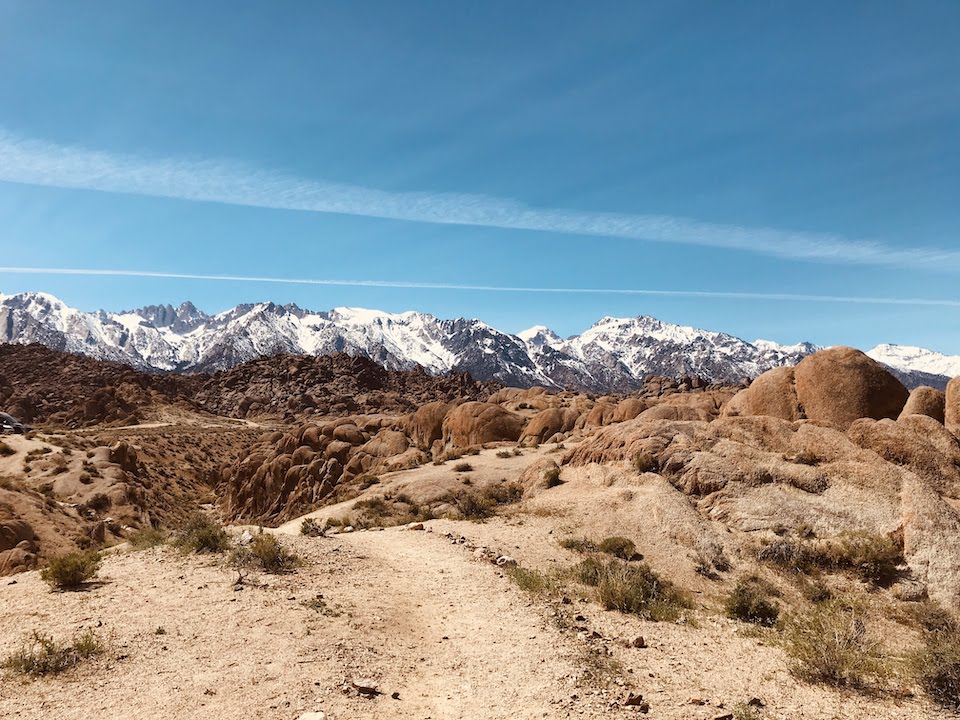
[36, 162]
[786, 297]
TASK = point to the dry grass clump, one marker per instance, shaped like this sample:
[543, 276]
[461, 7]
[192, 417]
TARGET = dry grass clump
[265, 553]
[71, 571]
[5, 449]
[384, 511]
[146, 537]
[831, 643]
[632, 588]
[871, 556]
[463, 467]
[532, 581]
[200, 534]
[644, 462]
[750, 602]
[551, 477]
[504, 454]
[620, 547]
[311, 528]
[580, 545]
[937, 665]
[481, 503]
[42, 655]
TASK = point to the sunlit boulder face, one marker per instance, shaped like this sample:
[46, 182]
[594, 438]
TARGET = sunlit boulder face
[925, 401]
[834, 387]
[476, 423]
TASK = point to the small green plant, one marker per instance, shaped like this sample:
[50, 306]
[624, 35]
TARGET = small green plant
[311, 528]
[463, 467]
[266, 553]
[620, 547]
[644, 462]
[146, 537]
[831, 643]
[42, 655]
[750, 602]
[200, 534]
[71, 571]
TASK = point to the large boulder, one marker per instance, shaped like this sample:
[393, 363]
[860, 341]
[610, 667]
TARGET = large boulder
[925, 401]
[839, 385]
[476, 423]
[544, 425]
[425, 426]
[773, 394]
[952, 406]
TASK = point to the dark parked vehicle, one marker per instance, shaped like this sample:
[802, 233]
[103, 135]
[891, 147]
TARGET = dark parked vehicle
[9, 424]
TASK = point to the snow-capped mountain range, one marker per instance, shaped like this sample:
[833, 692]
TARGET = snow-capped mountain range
[614, 355]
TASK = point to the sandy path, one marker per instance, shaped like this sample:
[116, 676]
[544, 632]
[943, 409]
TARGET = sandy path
[456, 640]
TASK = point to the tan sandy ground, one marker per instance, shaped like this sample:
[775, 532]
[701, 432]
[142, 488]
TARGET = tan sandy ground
[415, 611]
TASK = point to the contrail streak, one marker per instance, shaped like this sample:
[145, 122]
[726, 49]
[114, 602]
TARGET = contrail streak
[34, 162]
[787, 297]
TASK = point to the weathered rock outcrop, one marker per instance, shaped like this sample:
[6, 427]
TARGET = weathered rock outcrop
[476, 423]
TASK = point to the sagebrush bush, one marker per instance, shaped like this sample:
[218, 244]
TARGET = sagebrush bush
[551, 477]
[146, 537]
[831, 643]
[937, 665]
[71, 571]
[311, 528]
[581, 545]
[644, 462]
[750, 601]
[481, 503]
[42, 655]
[463, 467]
[620, 547]
[531, 581]
[632, 588]
[503, 454]
[873, 557]
[200, 534]
[265, 553]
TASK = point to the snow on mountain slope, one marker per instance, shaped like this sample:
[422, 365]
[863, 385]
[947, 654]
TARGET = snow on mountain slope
[613, 355]
[915, 359]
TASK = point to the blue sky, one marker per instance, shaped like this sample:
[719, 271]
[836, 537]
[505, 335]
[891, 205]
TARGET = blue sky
[761, 148]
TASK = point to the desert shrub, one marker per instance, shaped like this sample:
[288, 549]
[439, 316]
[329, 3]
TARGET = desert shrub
[749, 601]
[936, 666]
[474, 450]
[638, 590]
[200, 534]
[645, 462]
[463, 467]
[531, 581]
[375, 505]
[552, 477]
[872, 556]
[71, 571]
[146, 537]
[474, 505]
[745, 711]
[311, 528]
[589, 571]
[620, 547]
[99, 502]
[42, 655]
[6, 449]
[581, 545]
[265, 553]
[831, 643]
[504, 493]
[517, 452]
[503, 454]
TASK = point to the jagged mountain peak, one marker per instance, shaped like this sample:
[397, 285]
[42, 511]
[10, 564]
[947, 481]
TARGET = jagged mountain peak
[613, 355]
